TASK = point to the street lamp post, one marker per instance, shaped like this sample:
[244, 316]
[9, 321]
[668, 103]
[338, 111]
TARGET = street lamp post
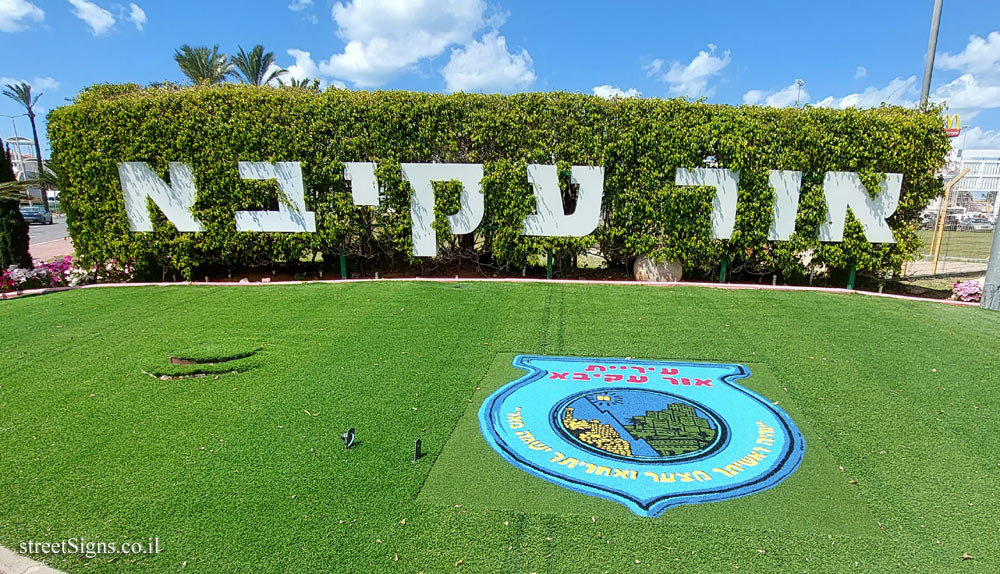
[931, 49]
[17, 138]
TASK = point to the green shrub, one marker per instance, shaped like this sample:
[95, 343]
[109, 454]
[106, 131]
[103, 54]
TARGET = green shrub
[640, 143]
[13, 236]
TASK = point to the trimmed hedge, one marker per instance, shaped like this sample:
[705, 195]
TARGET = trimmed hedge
[640, 143]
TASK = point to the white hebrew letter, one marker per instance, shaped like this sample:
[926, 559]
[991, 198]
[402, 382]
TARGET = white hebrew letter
[787, 185]
[726, 183]
[550, 219]
[364, 187]
[176, 199]
[291, 215]
[420, 176]
[844, 189]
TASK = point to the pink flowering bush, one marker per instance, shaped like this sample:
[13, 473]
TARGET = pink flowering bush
[63, 272]
[967, 291]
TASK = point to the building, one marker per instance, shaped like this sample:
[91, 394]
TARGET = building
[976, 194]
[25, 164]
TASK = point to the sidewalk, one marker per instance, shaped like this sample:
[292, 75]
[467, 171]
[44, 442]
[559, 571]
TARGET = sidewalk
[11, 563]
[49, 250]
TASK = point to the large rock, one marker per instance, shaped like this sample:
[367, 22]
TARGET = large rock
[647, 269]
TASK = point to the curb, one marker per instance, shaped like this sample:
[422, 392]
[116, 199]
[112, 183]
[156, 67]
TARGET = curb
[729, 286]
[12, 563]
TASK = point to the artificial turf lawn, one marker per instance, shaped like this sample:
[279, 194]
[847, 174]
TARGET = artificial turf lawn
[965, 244]
[233, 475]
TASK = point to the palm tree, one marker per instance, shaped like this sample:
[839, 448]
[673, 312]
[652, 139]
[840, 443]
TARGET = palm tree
[203, 66]
[21, 93]
[254, 67]
[305, 83]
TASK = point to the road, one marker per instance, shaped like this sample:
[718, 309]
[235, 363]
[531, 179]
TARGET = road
[42, 233]
[47, 242]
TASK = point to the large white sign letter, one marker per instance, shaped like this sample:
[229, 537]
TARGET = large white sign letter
[726, 183]
[291, 215]
[420, 176]
[364, 187]
[843, 190]
[786, 185]
[176, 199]
[550, 219]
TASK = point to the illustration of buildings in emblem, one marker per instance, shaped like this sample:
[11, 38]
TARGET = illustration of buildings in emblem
[595, 434]
[674, 430]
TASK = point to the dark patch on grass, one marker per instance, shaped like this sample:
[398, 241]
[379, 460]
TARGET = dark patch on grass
[192, 375]
[180, 360]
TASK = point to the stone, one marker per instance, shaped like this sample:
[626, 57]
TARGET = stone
[648, 270]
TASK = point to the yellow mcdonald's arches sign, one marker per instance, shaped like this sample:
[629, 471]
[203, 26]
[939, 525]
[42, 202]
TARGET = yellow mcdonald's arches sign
[952, 125]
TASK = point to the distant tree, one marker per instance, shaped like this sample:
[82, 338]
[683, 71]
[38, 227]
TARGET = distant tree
[256, 67]
[6, 169]
[13, 229]
[311, 84]
[21, 93]
[203, 65]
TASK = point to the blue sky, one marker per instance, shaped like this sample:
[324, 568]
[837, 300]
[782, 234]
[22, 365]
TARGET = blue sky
[732, 52]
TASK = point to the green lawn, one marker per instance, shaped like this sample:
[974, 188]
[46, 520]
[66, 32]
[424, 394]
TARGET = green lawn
[232, 474]
[966, 244]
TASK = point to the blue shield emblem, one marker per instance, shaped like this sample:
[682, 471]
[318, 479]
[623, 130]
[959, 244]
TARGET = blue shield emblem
[647, 434]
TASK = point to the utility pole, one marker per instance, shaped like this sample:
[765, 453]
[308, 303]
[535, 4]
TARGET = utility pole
[931, 49]
[991, 284]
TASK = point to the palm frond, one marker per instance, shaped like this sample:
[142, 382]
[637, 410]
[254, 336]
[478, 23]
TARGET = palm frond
[256, 67]
[202, 65]
[21, 93]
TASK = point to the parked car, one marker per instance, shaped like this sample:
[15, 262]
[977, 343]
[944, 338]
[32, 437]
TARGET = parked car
[36, 214]
[976, 224]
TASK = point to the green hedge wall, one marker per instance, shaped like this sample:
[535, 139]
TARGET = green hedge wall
[640, 143]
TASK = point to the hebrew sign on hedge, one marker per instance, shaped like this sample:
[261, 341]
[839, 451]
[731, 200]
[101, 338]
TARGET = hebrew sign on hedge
[235, 176]
[842, 190]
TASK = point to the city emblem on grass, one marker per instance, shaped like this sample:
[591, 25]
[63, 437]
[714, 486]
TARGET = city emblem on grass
[647, 434]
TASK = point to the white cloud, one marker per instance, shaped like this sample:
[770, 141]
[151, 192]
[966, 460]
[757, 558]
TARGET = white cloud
[298, 5]
[385, 38]
[782, 98]
[13, 13]
[99, 19]
[654, 68]
[897, 92]
[977, 138]
[136, 16]
[305, 68]
[46, 83]
[609, 91]
[861, 72]
[487, 66]
[37, 84]
[691, 80]
[980, 56]
[965, 92]
[753, 97]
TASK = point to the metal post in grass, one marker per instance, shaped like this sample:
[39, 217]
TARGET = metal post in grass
[548, 263]
[852, 276]
[990, 298]
[942, 216]
[722, 270]
[343, 266]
